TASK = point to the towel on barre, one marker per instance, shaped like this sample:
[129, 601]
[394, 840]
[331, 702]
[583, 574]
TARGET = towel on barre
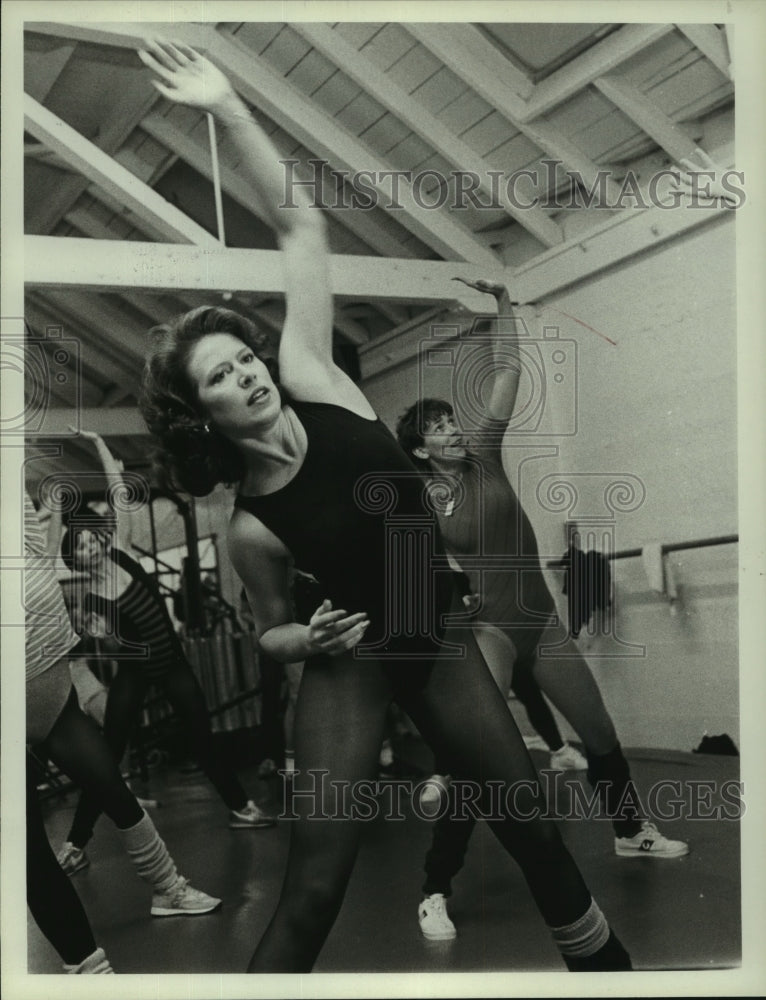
[587, 585]
[658, 571]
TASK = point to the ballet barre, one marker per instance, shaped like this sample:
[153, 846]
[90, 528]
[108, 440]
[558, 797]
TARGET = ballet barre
[697, 543]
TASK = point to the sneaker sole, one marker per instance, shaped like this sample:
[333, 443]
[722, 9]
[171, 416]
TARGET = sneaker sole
[261, 824]
[77, 868]
[623, 852]
[444, 936]
[164, 911]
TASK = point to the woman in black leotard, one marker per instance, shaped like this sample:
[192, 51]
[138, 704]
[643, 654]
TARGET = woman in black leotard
[324, 485]
[121, 599]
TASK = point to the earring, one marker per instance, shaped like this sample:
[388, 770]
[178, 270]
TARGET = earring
[207, 428]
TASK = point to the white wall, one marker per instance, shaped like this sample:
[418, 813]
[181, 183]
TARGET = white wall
[659, 406]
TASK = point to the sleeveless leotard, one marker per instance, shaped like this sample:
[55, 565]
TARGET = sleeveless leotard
[355, 517]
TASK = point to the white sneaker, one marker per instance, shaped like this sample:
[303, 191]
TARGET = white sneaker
[434, 920]
[250, 817]
[72, 859]
[183, 900]
[535, 743]
[567, 759]
[649, 843]
[96, 964]
[433, 789]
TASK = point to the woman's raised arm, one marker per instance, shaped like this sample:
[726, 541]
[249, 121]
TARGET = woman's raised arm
[305, 353]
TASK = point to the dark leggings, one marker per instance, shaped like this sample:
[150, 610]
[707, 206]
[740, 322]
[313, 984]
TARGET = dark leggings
[123, 707]
[526, 689]
[51, 897]
[340, 720]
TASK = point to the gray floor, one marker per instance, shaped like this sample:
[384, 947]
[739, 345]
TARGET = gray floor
[671, 914]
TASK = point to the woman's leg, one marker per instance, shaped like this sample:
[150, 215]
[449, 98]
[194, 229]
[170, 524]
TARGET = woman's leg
[185, 695]
[123, 707]
[51, 897]
[463, 715]
[572, 688]
[340, 717]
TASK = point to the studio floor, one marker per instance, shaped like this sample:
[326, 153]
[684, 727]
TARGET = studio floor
[670, 914]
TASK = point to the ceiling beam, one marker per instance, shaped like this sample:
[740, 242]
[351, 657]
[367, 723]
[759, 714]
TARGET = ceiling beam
[178, 142]
[101, 169]
[602, 58]
[104, 320]
[110, 265]
[125, 35]
[650, 118]
[384, 89]
[115, 421]
[712, 43]
[445, 43]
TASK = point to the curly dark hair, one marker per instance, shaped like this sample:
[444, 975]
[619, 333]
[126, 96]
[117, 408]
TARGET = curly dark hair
[85, 519]
[190, 456]
[413, 422]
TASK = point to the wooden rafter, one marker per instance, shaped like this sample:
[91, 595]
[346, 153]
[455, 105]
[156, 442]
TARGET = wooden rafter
[478, 73]
[646, 114]
[115, 421]
[102, 170]
[164, 131]
[111, 326]
[109, 265]
[712, 43]
[386, 92]
[602, 58]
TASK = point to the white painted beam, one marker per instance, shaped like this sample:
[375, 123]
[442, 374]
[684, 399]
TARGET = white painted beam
[646, 114]
[602, 58]
[101, 169]
[384, 89]
[110, 265]
[115, 421]
[478, 72]
[712, 43]
[359, 223]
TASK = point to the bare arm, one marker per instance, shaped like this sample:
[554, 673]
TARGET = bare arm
[264, 567]
[504, 350]
[306, 366]
[113, 469]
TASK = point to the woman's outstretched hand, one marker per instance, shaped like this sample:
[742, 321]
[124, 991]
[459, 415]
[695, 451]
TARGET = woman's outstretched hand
[185, 76]
[334, 632]
[496, 288]
[707, 188]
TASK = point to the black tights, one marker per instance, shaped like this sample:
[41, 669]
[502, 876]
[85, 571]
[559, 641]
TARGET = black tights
[526, 689]
[51, 897]
[340, 719]
[123, 707]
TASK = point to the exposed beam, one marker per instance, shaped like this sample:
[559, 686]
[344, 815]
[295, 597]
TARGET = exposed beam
[109, 265]
[479, 73]
[712, 43]
[115, 421]
[273, 315]
[646, 114]
[384, 89]
[101, 169]
[48, 69]
[119, 35]
[109, 324]
[187, 149]
[602, 58]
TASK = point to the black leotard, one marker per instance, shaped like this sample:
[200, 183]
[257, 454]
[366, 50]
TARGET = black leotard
[141, 621]
[355, 516]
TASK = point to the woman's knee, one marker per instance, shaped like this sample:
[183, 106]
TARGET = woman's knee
[313, 904]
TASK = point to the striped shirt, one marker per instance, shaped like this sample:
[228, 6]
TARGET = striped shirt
[139, 621]
[48, 634]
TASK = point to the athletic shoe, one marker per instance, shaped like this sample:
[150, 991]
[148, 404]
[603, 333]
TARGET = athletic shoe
[251, 817]
[649, 843]
[567, 759]
[96, 964]
[433, 789]
[72, 859]
[183, 900]
[535, 743]
[434, 920]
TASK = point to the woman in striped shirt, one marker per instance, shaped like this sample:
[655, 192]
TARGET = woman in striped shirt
[122, 600]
